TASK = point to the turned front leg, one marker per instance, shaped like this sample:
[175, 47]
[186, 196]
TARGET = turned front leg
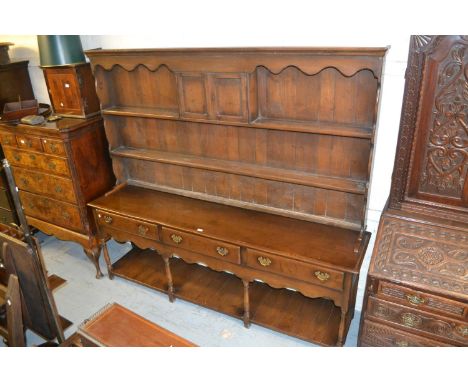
[246, 304]
[107, 259]
[94, 254]
[170, 286]
[342, 329]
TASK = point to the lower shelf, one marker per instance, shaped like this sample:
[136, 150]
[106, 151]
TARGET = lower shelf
[315, 320]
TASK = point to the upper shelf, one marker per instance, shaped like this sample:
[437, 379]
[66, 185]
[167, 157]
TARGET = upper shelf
[326, 128]
[247, 169]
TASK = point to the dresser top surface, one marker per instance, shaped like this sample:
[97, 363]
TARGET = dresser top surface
[277, 234]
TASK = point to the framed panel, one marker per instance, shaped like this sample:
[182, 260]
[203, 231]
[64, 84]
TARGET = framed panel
[193, 95]
[228, 96]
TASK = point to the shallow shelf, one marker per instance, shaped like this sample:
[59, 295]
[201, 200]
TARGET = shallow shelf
[243, 168]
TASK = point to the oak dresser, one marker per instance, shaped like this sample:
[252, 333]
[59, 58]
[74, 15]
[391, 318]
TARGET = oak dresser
[417, 287]
[58, 168]
[243, 178]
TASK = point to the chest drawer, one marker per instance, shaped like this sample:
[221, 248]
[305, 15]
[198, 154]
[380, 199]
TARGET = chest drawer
[202, 245]
[8, 139]
[53, 146]
[42, 183]
[136, 227]
[52, 211]
[421, 300]
[29, 143]
[50, 164]
[374, 334]
[418, 321]
[295, 269]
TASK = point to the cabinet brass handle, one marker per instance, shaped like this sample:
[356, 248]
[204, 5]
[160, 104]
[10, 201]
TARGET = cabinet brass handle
[58, 189]
[108, 219]
[415, 300]
[264, 261]
[142, 230]
[463, 330]
[52, 165]
[401, 343]
[16, 157]
[31, 205]
[222, 251]
[53, 147]
[176, 238]
[322, 276]
[24, 181]
[410, 320]
[32, 157]
[66, 215]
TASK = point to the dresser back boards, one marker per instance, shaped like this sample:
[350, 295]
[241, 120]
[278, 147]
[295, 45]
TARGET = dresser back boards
[286, 131]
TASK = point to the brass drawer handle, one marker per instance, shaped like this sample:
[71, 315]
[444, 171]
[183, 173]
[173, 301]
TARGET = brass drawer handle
[52, 165]
[16, 157]
[264, 261]
[463, 330]
[31, 205]
[142, 230]
[32, 157]
[53, 147]
[415, 300]
[66, 215]
[222, 251]
[322, 276]
[410, 320]
[176, 238]
[108, 219]
[401, 343]
[58, 189]
[24, 181]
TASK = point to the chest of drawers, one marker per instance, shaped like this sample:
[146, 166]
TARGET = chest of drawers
[58, 168]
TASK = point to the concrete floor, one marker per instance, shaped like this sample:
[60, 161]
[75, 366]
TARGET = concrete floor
[83, 295]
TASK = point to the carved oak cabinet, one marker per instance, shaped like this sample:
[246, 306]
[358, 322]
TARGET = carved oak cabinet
[58, 168]
[417, 287]
[242, 178]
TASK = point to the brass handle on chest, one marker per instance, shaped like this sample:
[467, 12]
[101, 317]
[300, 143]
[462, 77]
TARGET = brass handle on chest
[53, 147]
[222, 251]
[176, 238]
[32, 157]
[52, 165]
[66, 215]
[58, 189]
[107, 219]
[264, 261]
[410, 320]
[16, 157]
[415, 300]
[142, 230]
[463, 330]
[24, 181]
[322, 276]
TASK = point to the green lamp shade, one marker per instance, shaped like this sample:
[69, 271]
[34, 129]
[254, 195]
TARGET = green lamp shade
[56, 50]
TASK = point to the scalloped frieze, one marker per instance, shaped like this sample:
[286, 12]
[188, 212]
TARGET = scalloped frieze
[421, 254]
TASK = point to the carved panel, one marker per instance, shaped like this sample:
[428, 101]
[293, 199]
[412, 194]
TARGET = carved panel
[417, 321]
[374, 334]
[445, 158]
[423, 255]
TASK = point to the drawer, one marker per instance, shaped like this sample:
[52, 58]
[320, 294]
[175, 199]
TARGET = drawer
[293, 268]
[136, 227]
[29, 143]
[8, 140]
[421, 300]
[418, 321]
[53, 146]
[6, 216]
[202, 245]
[374, 334]
[42, 183]
[50, 164]
[59, 213]
[4, 199]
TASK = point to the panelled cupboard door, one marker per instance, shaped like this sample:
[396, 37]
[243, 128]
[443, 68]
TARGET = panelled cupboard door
[63, 87]
[214, 96]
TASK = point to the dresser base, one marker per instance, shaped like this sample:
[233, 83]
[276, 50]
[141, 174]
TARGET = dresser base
[316, 320]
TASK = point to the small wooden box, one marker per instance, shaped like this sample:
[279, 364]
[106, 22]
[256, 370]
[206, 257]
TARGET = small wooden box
[72, 91]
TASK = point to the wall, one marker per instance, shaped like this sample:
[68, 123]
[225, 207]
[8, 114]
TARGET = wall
[392, 89]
